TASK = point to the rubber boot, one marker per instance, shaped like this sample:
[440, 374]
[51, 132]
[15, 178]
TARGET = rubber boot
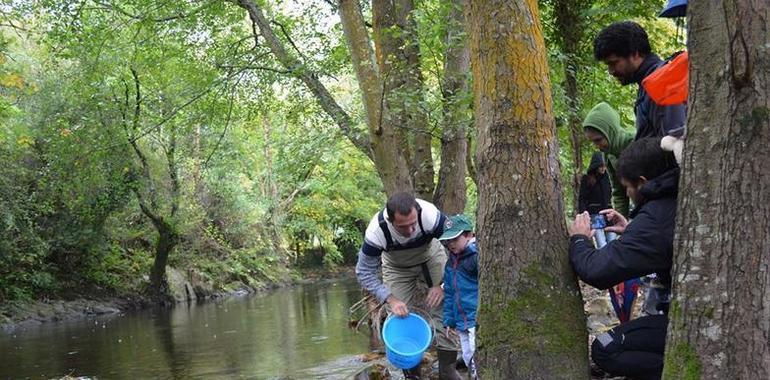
[446, 365]
[473, 371]
[412, 374]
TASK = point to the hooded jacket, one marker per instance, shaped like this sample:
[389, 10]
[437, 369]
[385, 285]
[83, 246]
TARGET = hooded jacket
[654, 120]
[596, 197]
[461, 288]
[606, 120]
[645, 247]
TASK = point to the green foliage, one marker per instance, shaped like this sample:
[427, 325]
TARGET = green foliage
[265, 179]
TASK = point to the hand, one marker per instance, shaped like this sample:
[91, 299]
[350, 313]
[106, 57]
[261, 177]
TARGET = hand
[617, 220]
[581, 225]
[435, 296]
[449, 332]
[398, 307]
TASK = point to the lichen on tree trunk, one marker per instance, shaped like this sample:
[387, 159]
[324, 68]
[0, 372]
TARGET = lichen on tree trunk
[530, 305]
[720, 317]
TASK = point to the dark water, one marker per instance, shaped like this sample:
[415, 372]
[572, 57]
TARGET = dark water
[297, 333]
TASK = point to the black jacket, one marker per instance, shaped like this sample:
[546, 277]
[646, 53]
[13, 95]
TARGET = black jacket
[645, 247]
[653, 120]
[594, 198]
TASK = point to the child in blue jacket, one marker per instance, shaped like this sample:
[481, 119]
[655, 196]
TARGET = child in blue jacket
[461, 285]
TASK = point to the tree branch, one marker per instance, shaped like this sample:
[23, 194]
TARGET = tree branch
[134, 144]
[288, 38]
[325, 99]
[227, 124]
[254, 67]
[180, 15]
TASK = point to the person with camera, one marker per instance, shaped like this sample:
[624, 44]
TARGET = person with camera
[650, 176]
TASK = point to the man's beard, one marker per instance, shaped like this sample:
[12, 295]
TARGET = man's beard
[625, 79]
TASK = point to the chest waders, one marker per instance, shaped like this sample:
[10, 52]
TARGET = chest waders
[408, 269]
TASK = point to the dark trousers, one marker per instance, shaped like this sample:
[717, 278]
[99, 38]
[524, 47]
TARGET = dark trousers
[633, 349]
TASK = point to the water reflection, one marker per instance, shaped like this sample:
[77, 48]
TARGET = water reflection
[295, 333]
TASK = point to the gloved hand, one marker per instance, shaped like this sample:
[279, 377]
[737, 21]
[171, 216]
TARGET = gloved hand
[673, 144]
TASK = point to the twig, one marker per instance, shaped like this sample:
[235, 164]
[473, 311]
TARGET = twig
[288, 38]
[227, 121]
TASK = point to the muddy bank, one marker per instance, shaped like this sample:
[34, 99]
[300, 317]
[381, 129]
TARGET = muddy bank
[34, 313]
[184, 287]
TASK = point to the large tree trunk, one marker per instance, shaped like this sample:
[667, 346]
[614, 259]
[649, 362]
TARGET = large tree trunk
[570, 33]
[720, 317]
[450, 195]
[530, 305]
[398, 58]
[389, 160]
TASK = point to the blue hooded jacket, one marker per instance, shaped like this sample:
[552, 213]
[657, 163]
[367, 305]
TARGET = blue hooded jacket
[461, 288]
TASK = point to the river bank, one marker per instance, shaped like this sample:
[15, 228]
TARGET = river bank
[184, 287]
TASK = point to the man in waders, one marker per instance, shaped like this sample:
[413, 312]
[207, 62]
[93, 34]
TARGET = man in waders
[402, 240]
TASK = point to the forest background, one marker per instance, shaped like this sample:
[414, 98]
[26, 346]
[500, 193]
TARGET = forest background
[241, 141]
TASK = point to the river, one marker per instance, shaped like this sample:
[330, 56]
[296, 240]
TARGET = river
[291, 333]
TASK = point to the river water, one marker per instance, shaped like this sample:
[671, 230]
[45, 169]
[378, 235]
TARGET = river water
[293, 333]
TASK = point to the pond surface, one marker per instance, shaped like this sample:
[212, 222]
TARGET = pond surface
[293, 333]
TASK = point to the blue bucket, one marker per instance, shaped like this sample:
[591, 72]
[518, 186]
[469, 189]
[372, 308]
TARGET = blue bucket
[406, 339]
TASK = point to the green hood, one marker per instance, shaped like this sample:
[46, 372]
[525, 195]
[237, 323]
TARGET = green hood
[607, 121]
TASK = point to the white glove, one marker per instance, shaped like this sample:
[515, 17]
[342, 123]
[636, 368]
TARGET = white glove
[673, 144]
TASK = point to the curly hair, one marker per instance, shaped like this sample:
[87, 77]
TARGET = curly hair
[621, 39]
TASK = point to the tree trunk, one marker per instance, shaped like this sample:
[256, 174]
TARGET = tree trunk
[450, 195]
[529, 301]
[569, 29]
[720, 317]
[144, 186]
[167, 240]
[398, 58]
[275, 217]
[408, 52]
[389, 160]
[196, 160]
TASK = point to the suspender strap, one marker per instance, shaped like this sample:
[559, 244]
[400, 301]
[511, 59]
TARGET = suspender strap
[426, 274]
[385, 231]
[419, 217]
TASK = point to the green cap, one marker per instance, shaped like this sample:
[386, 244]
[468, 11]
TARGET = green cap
[456, 225]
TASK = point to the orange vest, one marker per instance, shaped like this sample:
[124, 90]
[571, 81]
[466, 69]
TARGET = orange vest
[668, 84]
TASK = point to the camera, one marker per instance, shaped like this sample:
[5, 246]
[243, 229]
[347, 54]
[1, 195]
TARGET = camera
[598, 222]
